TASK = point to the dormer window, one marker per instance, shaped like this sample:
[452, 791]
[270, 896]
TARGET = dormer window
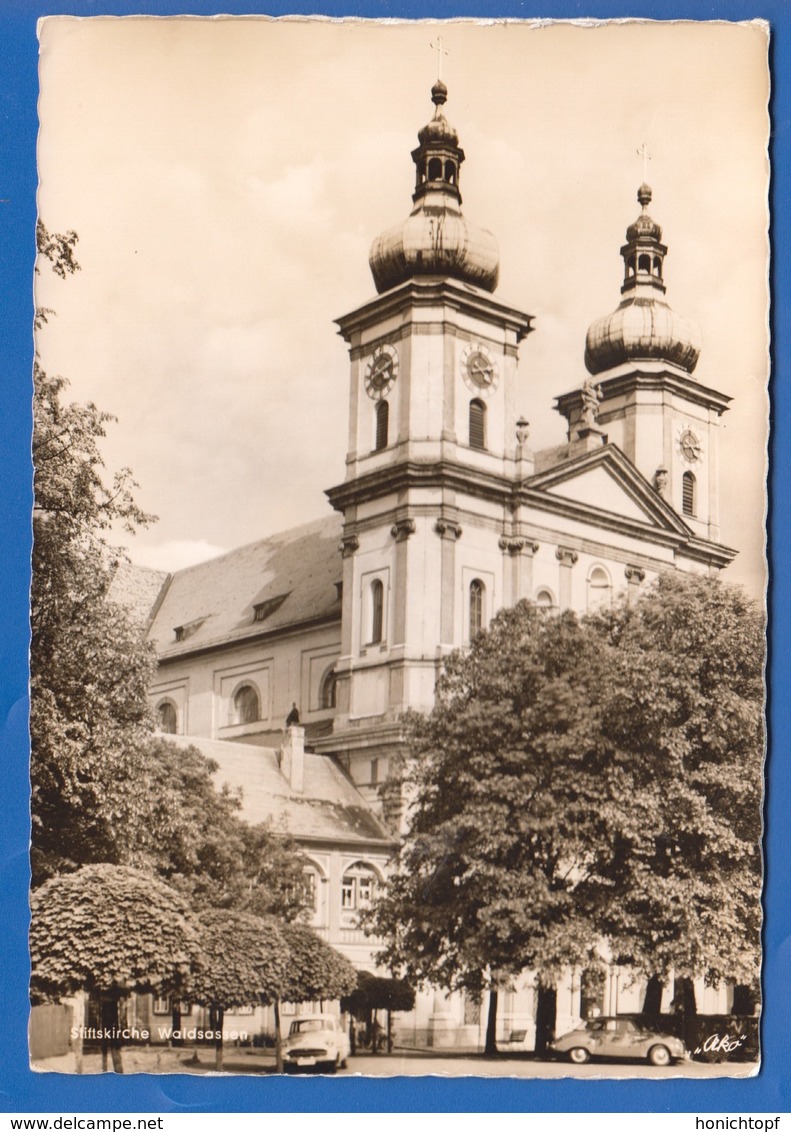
[182, 632]
[264, 609]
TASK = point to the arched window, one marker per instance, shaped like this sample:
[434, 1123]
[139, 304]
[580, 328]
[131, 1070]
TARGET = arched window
[358, 887]
[377, 611]
[435, 169]
[657, 265]
[310, 880]
[477, 424]
[599, 589]
[545, 599]
[688, 501]
[246, 705]
[644, 263]
[168, 720]
[382, 421]
[327, 691]
[450, 172]
[630, 265]
[477, 595]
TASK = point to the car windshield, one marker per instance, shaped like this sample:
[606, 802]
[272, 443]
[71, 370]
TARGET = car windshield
[309, 1025]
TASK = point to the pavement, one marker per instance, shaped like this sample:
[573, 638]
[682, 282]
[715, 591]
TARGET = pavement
[401, 1063]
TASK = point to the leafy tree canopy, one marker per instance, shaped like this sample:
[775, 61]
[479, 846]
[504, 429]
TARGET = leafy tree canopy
[104, 787]
[113, 930]
[584, 779]
[315, 970]
[377, 992]
[246, 960]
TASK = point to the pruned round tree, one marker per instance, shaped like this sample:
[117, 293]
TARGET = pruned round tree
[246, 963]
[315, 971]
[110, 930]
[379, 992]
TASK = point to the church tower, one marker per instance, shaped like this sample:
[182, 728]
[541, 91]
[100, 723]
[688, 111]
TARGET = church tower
[643, 357]
[432, 457]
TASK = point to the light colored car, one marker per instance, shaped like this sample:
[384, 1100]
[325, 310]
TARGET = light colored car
[316, 1039]
[618, 1037]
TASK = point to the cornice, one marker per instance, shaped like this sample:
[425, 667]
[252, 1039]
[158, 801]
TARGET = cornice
[639, 380]
[429, 293]
[251, 638]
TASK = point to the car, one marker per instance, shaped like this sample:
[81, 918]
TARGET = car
[317, 1040]
[618, 1037]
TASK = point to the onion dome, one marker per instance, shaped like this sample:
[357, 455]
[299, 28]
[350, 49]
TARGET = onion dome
[435, 239]
[644, 327]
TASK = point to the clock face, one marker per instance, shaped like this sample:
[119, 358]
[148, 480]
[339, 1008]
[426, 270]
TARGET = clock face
[690, 446]
[479, 369]
[381, 372]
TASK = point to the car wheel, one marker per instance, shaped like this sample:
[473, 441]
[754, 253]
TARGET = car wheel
[579, 1055]
[344, 1064]
[659, 1055]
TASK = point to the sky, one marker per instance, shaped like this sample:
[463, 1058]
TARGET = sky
[227, 177]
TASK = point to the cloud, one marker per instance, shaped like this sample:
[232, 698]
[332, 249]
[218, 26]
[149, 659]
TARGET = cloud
[175, 554]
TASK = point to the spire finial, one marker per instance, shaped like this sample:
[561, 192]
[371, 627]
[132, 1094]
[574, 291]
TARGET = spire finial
[436, 45]
[646, 156]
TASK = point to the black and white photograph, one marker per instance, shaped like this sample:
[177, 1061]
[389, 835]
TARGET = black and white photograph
[399, 562]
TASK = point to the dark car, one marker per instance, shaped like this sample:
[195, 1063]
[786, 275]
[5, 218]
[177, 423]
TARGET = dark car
[618, 1037]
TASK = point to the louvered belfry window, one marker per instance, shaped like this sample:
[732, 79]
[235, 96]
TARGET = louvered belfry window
[377, 611]
[476, 607]
[477, 424]
[382, 421]
[688, 493]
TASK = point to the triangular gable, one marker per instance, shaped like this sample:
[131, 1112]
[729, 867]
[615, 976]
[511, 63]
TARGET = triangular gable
[599, 488]
[608, 482]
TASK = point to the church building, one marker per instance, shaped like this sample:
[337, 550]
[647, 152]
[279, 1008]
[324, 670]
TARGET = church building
[445, 515]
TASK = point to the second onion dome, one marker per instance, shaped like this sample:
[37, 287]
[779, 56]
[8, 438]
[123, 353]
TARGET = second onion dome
[435, 239]
[644, 327]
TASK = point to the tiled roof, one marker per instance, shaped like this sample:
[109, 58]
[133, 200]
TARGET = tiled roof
[329, 807]
[137, 589]
[214, 601]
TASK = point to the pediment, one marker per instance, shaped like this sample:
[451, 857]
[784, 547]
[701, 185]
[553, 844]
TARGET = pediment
[606, 482]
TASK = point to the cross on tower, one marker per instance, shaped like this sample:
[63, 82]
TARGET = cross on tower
[646, 156]
[436, 45]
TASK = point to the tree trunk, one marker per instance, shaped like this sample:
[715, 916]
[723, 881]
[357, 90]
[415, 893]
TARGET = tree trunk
[112, 1045]
[278, 1039]
[546, 1012]
[490, 1049]
[218, 1047]
[175, 1024]
[79, 1015]
[652, 1003]
[389, 1031]
[352, 1034]
[103, 1025]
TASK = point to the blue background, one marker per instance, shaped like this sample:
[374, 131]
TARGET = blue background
[23, 1091]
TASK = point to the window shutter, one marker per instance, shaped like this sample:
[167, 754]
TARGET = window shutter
[477, 424]
[688, 493]
[382, 421]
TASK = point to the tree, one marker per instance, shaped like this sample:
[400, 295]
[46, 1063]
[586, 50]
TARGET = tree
[686, 697]
[376, 992]
[314, 972]
[194, 838]
[246, 963]
[90, 667]
[580, 780]
[110, 930]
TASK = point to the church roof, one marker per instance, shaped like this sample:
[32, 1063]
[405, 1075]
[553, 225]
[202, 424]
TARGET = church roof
[287, 579]
[328, 808]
